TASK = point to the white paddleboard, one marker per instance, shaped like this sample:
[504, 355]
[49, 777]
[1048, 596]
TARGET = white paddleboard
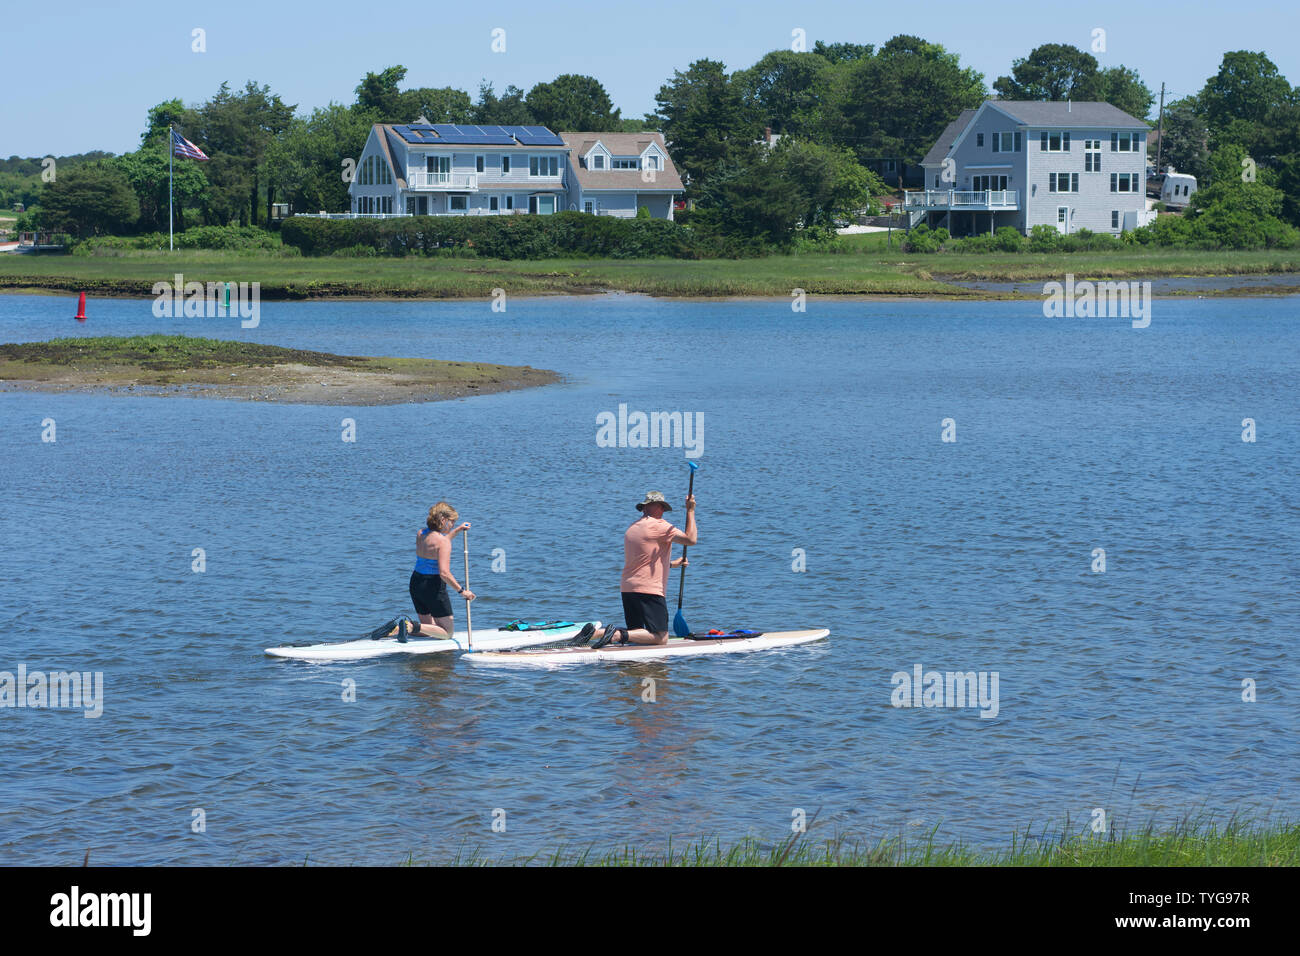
[486, 640]
[676, 647]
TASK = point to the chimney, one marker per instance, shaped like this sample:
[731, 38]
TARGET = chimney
[767, 134]
[1069, 106]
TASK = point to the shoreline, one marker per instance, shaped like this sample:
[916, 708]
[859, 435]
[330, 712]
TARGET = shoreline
[1276, 285]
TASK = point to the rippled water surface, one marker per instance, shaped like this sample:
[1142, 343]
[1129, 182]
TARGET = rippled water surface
[1120, 690]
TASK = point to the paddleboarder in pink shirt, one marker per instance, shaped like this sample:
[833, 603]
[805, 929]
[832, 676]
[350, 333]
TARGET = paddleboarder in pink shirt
[647, 554]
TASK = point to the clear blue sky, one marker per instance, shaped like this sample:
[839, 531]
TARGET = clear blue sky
[81, 75]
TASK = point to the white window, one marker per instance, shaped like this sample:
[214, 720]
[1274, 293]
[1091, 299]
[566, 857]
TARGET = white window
[458, 203]
[1050, 142]
[1006, 142]
[1123, 182]
[1062, 214]
[981, 183]
[1114, 219]
[1092, 156]
[589, 207]
[597, 161]
[1125, 142]
[543, 165]
[1062, 182]
[627, 164]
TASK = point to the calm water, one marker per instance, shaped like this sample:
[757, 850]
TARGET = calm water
[1119, 690]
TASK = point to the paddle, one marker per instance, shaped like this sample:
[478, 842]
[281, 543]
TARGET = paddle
[469, 621]
[680, 627]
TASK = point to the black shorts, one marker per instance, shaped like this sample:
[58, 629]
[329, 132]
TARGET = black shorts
[646, 611]
[429, 595]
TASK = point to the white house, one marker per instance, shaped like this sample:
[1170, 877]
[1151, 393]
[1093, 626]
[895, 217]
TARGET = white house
[614, 174]
[437, 169]
[1023, 164]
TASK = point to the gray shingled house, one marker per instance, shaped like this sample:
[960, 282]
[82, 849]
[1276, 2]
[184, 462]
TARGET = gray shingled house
[1023, 164]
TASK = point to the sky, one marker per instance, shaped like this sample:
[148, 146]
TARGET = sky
[82, 75]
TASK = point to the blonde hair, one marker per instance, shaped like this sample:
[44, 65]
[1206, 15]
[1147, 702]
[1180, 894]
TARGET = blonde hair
[439, 513]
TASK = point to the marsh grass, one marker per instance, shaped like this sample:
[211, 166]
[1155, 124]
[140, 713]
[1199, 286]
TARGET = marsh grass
[1193, 841]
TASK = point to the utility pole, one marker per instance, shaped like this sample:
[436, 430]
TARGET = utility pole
[1160, 132]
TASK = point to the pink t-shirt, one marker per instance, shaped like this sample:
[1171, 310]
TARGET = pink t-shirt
[647, 549]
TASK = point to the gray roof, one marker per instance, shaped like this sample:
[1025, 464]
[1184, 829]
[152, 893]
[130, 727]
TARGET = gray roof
[1077, 114]
[944, 143]
[621, 144]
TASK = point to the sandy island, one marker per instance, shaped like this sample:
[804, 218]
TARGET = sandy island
[177, 365]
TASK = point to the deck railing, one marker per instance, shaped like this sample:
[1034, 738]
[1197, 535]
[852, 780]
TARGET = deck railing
[426, 180]
[961, 199]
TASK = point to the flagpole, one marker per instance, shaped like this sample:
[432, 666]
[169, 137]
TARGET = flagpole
[171, 159]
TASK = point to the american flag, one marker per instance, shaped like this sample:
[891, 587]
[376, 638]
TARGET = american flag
[183, 147]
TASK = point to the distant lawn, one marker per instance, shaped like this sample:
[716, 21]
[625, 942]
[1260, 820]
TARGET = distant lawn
[869, 267]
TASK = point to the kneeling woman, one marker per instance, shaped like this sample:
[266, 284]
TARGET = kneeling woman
[432, 575]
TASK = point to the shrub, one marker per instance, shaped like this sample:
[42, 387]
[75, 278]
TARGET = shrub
[1008, 239]
[1044, 238]
[501, 237]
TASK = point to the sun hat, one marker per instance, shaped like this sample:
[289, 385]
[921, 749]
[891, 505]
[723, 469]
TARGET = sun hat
[654, 498]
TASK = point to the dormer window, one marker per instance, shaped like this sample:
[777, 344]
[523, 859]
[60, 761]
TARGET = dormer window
[598, 161]
[652, 160]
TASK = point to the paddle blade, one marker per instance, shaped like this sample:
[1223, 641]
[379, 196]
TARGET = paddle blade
[679, 625]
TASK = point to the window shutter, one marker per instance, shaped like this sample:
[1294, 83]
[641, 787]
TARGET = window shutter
[1065, 142]
[1074, 182]
[1042, 143]
[1017, 143]
[1114, 142]
[997, 142]
[1114, 183]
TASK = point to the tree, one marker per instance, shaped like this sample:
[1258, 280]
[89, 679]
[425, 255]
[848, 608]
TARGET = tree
[89, 200]
[442, 105]
[306, 164]
[1053, 71]
[378, 95]
[1241, 102]
[837, 53]
[749, 204]
[899, 101]
[1185, 140]
[237, 129]
[1122, 88]
[508, 109]
[705, 120]
[828, 180]
[573, 102]
[147, 171]
[1234, 213]
[787, 91]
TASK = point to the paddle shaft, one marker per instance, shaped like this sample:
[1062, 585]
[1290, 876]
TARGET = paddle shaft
[681, 585]
[469, 620]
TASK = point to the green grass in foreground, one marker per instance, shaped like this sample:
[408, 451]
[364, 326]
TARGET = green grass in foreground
[870, 270]
[1190, 843]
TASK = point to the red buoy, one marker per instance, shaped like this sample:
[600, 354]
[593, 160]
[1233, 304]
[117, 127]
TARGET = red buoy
[81, 308]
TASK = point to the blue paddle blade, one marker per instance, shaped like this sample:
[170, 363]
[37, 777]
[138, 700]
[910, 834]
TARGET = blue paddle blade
[679, 624]
[694, 465]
